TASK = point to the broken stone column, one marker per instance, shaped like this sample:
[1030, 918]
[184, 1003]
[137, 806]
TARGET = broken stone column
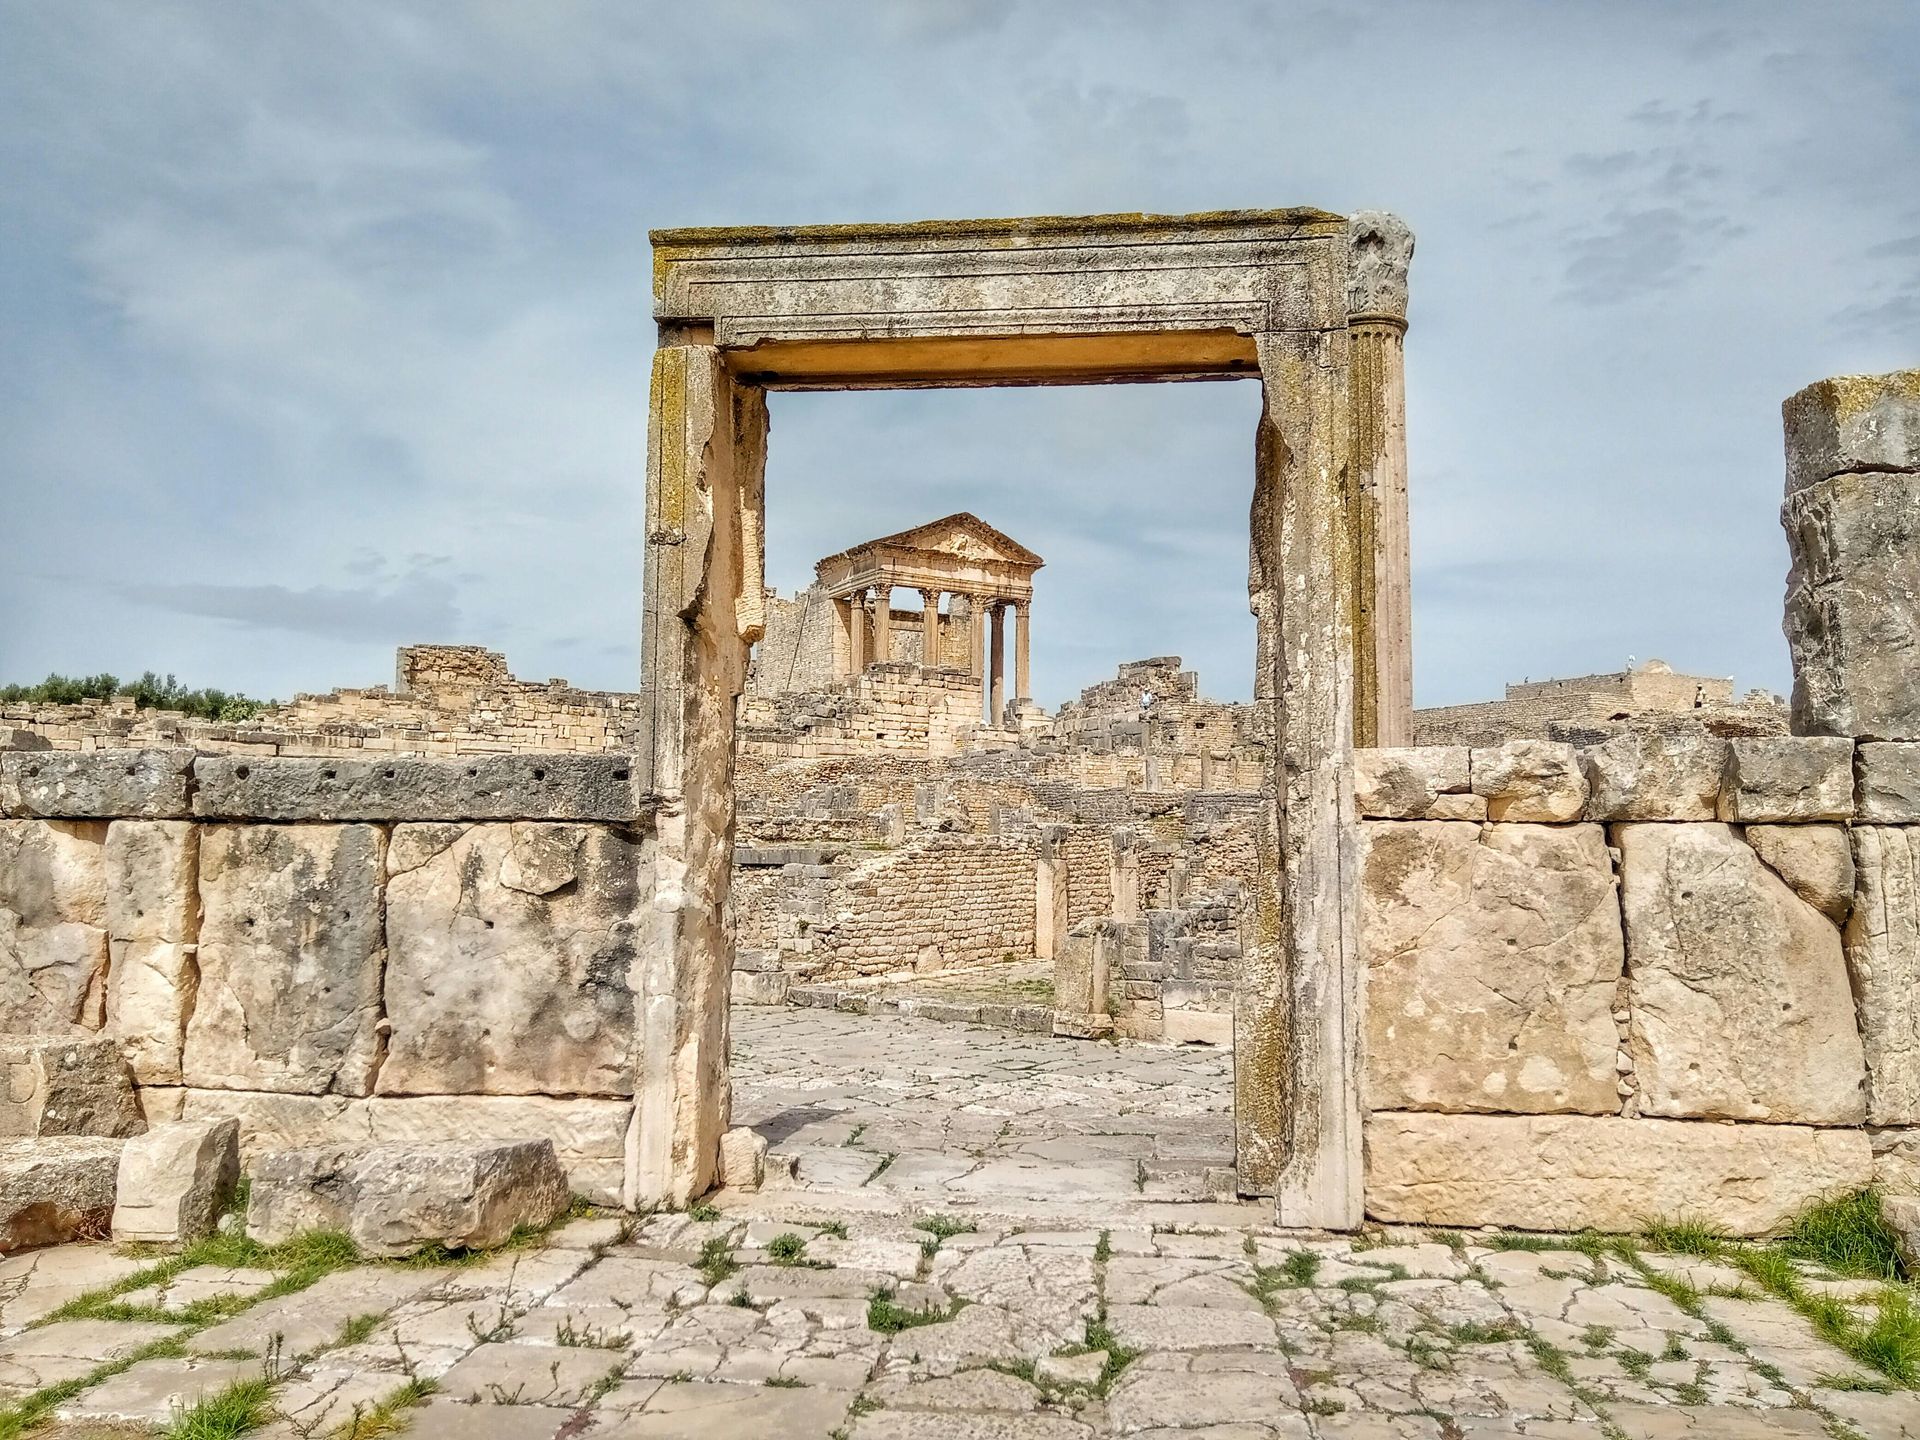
[1049, 891]
[1382, 249]
[1852, 517]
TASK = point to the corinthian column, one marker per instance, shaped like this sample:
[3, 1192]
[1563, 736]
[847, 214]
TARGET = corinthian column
[1381, 249]
[929, 627]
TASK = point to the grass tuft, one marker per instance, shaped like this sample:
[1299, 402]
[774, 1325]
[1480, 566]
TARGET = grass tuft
[1849, 1236]
[885, 1316]
[232, 1412]
[1685, 1235]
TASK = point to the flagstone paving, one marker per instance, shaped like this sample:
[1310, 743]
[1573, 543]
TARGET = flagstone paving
[772, 1318]
[883, 1108]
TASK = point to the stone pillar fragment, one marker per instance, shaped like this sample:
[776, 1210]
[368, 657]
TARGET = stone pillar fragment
[704, 577]
[1297, 1015]
[1049, 892]
[1852, 517]
[1382, 249]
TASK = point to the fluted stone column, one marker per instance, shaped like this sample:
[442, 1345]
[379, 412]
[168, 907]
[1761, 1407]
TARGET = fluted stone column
[976, 635]
[1021, 689]
[857, 632]
[929, 627]
[1381, 249]
[997, 695]
[883, 624]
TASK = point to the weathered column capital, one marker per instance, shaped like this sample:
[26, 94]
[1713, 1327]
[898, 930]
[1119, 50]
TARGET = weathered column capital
[1380, 248]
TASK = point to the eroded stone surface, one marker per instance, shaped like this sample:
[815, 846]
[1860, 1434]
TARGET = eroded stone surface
[290, 959]
[1655, 775]
[153, 920]
[1406, 783]
[1530, 780]
[1816, 861]
[1566, 1172]
[55, 1188]
[67, 1085]
[1883, 960]
[509, 948]
[1888, 778]
[1492, 956]
[1793, 778]
[1739, 1000]
[53, 915]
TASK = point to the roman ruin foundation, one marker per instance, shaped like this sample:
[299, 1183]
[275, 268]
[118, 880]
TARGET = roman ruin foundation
[1526, 982]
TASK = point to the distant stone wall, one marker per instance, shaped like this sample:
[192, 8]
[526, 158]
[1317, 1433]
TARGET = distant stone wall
[339, 949]
[1588, 708]
[447, 700]
[940, 902]
[1670, 973]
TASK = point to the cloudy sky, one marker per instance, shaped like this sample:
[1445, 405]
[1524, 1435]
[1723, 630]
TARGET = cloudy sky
[327, 324]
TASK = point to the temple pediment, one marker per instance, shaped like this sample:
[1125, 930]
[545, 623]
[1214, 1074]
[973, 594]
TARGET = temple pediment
[962, 535]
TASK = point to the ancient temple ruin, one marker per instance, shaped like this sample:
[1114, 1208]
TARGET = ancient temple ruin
[1460, 984]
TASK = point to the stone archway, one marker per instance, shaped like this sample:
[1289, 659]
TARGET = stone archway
[1309, 303]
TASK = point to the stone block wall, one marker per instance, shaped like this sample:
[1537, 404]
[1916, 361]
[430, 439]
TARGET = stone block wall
[342, 950]
[1670, 973]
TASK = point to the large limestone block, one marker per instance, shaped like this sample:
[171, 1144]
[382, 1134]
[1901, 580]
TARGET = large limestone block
[1080, 996]
[270, 1122]
[1852, 422]
[289, 959]
[491, 787]
[1737, 986]
[1815, 860]
[77, 1085]
[153, 923]
[1492, 954]
[509, 948]
[1888, 777]
[1655, 775]
[54, 1189]
[1530, 780]
[1573, 1172]
[147, 784]
[1853, 606]
[175, 1180]
[53, 914]
[1791, 778]
[1883, 959]
[589, 1136]
[395, 1200]
[1414, 783]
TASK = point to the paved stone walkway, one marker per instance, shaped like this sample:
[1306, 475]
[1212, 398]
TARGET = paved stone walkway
[872, 1108]
[899, 1326]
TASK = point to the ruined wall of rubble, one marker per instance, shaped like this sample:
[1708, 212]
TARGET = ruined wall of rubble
[1589, 708]
[338, 950]
[1667, 973]
[447, 700]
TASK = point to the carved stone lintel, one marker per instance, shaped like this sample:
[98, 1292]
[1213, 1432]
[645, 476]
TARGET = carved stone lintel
[1382, 249]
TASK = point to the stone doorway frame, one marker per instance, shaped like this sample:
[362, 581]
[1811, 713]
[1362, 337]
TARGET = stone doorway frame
[1311, 304]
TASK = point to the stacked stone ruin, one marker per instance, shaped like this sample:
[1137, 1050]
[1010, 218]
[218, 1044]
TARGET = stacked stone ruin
[1526, 984]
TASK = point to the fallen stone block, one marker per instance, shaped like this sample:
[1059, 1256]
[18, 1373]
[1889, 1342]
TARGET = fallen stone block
[66, 1085]
[743, 1158]
[54, 1189]
[1530, 780]
[396, 1200]
[1787, 778]
[176, 1180]
[1902, 1214]
[1572, 1172]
